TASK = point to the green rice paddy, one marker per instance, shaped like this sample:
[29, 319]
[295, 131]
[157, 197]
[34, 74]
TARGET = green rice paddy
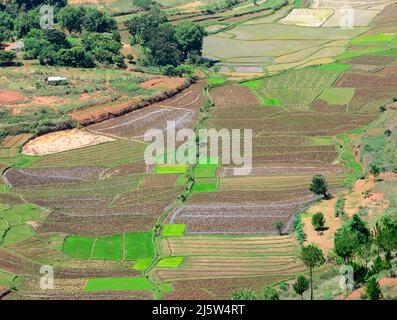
[170, 262]
[142, 264]
[205, 185]
[122, 283]
[173, 230]
[129, 246]
[170, 168]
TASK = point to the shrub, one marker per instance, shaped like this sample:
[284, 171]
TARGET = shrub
[340, 206]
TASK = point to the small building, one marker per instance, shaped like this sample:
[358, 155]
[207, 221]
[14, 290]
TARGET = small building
[56, 81]
[15, 46]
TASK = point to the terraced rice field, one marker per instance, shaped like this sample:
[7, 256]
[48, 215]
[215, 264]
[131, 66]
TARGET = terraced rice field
[214, 266]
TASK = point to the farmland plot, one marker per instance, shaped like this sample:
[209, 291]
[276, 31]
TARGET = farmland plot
[232, 219]
[214, 266]
[182, 109]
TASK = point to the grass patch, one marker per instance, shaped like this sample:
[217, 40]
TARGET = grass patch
[181, 180]
[173, 230]
[379, 37]
[359, 53]
[170, 262]
[78, 247]
[170, 168]
[109, 248]
[205, 170]
[6, 278]
[337, 67]
[321, 141]
[354, 169]
[138, 245]
[142, 264]
[122, 283]
[205, 185]
[18, 233]
[337, 96]
[253, 84]
[271, 102]
[167, 287]
[215, 80]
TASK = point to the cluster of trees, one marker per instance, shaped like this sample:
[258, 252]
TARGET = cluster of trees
[356, 245]
[268, 293]
[18, 17]
[95, 38]
[7, 58]
[164, 44]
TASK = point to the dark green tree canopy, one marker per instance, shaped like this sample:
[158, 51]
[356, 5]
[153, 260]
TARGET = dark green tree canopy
[301, 285]
[372, 288]
[269, 293]
[72, 18]
[318, 221]
[312, 256]
[190, 38]
[319, 185]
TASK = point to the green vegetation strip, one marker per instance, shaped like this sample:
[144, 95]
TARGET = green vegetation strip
[380, 37]
[173, 230]
[142, 264]
[170, 168]
[215, 80]
[123, 283]
[170, 262]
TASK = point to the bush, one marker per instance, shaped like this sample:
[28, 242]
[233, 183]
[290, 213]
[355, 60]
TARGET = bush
[244, 295]
[340, 206]
[269, 293]
[298, 228]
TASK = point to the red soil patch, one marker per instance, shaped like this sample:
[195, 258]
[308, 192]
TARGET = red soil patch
[10, 97]
[163, 83]
[356, 294]
[99, 113]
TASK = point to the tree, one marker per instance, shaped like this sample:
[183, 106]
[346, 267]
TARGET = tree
[7, 58]
[25, 22]
[269, 293]
[346, 243]
[56, 38]
[301, 285]
[352, 238]
[373, 290]
[99, 21]
[161, 46]
[312, 257]
[318, 221]
[72, 18]
[6, 26]
[145, 23]
[278, 225]
[319, 185]
[35, 41]
[190, 38]
[375, 170]
[75, 57]
[244, 295]
[358, 226]
[143, 4]
[385, 234]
